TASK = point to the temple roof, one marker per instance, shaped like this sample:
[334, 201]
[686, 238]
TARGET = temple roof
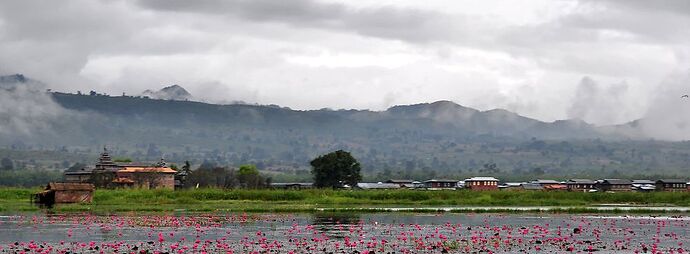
[146, 170]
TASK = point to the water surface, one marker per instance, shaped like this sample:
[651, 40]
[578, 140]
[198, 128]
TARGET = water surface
[342, 233]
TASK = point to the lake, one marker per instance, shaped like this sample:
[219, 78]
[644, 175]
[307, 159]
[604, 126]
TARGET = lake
[341, 233]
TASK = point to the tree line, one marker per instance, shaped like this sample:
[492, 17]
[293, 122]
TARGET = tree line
[333, 170]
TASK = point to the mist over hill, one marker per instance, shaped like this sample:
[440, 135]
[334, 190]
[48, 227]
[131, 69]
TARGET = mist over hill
[173, 92]
[423, 140]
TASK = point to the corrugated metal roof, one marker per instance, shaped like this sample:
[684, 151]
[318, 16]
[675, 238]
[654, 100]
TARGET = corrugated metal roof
[441, 180]
[399, 181]
[70, 186]
[671, 181]
[378, 185]
[532, 186]
[546, 181]
[581, 181]
[146, 170]
[617, 181]
[290, 184]
[556, 187]
[482, 178]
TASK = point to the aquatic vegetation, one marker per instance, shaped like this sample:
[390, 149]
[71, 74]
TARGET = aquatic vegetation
[339, 233]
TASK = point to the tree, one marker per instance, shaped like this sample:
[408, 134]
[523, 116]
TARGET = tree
[249, 176]
[335, 169]
[187, 168]
[6, 164]
[212, 177]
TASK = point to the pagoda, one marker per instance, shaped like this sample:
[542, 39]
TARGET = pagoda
[105, 162]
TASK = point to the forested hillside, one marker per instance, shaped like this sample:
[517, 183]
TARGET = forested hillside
[440, 139]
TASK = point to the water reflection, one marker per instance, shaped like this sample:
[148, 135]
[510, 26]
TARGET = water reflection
[336, 225]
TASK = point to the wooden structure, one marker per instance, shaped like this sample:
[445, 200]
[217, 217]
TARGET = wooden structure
[78, 176]
[440, 184]
[550, 185]
[292, 186]
[154, 177]
[671, 185]
[402, 183]
[378, 186]
[643, 185]
[531, 187]
[582, 185]
[615, 185]
[511, 186]
[56, 193]
[481, 183]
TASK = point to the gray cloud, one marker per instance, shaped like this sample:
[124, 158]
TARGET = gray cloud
[680, 7]
[668, 116]
[383, 22]
[309, 54]
[644, 25]
[596, 104]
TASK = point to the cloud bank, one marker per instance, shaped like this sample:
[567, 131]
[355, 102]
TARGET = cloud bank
[27, 110]
[529, 57]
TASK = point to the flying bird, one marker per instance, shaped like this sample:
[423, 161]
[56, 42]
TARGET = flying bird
[685, 96]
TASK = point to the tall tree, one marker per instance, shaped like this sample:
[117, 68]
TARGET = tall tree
[249, 176]
[335, 169]
[187, 168]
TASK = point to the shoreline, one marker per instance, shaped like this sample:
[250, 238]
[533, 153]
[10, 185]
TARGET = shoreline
[272, 208]
[373, 201]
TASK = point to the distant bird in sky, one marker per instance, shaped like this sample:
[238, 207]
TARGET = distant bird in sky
[685, 96]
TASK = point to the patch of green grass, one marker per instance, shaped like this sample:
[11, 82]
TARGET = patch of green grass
[303, 200]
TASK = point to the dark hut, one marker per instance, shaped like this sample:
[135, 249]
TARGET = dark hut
[65, 193]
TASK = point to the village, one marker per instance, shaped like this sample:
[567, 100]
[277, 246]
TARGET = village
[78, 186]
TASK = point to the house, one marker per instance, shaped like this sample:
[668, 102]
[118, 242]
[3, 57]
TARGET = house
[512, 186]
[643, 185]
[583, 185]
[481, 183]
[550, 184]
[402, 183]
[671, 185]
[56, 193]
[292, 186]
[439, 184]
[531, 187]
[378, 186]
[615, 185]
[150, 177]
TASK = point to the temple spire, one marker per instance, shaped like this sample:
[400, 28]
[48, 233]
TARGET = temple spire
[161, 163]
[105, 160]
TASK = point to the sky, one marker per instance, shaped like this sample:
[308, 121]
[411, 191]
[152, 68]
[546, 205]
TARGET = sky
[605, 61]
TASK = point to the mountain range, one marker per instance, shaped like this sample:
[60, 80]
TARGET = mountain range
[440, 137]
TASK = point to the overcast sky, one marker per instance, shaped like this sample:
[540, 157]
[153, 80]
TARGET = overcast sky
[602, 61]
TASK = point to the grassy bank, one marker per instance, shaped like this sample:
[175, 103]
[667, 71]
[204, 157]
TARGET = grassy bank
[307, 200]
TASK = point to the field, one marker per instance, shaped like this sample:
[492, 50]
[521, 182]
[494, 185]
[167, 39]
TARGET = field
[18, 199]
